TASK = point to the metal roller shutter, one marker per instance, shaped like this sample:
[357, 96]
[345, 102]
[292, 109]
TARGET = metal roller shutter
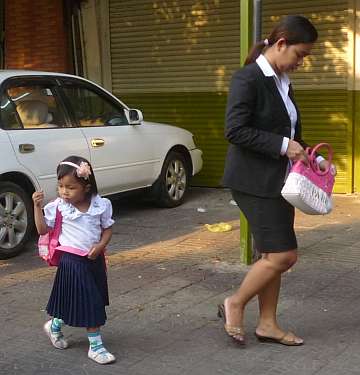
[174, 61]
[173, 48]
[321, 86]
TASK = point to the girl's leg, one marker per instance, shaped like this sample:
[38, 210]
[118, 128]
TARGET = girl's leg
[257, 280]
[97, 351]
[53, 329]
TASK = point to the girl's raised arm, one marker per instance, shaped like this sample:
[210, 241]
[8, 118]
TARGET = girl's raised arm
[40, 224]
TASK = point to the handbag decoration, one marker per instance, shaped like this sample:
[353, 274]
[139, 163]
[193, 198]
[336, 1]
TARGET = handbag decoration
[307, 187]
[48, 242]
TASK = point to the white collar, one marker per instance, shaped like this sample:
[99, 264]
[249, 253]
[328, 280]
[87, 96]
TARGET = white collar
[97, 206]
[268, 71]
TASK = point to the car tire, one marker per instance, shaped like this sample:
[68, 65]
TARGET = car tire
[170, 188]
[16, 219]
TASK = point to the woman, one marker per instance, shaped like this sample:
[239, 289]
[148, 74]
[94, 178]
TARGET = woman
[264, 131]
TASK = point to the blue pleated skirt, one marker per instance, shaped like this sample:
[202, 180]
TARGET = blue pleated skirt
[80, 291]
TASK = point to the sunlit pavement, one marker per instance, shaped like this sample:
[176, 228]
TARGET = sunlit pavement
[167, 273]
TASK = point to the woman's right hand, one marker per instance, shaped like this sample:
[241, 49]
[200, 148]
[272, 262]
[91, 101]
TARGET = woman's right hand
[38, 198]
[296, 152]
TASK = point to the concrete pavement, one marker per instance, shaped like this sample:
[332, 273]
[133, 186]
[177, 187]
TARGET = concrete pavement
[167, 273]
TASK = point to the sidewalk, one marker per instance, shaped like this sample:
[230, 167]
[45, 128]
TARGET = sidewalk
[167, 273]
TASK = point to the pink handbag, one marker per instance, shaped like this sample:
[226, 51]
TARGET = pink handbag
[307, 187]
[48, 243]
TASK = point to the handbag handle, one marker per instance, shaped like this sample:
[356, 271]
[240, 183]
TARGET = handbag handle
[312, 158]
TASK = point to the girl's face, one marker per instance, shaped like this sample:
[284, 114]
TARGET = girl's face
[290, 57]
[72, 191]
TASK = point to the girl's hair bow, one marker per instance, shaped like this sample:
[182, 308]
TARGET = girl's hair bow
[83, 170]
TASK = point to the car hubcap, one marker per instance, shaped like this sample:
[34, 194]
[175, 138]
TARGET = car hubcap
[176, 179]
[13, 220]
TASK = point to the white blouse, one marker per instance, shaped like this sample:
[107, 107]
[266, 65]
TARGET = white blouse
[282, 84]
[80, 229]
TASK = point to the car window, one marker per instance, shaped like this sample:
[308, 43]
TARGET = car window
[9, 119]
[93, 109]
[31, 107]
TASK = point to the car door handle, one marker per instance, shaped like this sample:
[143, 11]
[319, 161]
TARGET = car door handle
[97, 142]
[25, 148]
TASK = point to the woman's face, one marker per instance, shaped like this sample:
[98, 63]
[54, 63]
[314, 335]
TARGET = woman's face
[290, 57]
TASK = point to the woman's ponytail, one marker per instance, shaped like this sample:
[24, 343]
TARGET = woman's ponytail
[255, 51]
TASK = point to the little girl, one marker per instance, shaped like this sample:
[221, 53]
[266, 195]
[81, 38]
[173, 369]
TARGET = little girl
[80, 292]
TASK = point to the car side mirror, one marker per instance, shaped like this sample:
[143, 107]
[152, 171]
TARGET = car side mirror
[135, 117]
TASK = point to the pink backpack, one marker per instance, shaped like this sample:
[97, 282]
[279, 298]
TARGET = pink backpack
[48, 242]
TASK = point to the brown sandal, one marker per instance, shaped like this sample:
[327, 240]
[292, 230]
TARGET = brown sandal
[232, 332]
[282, 340]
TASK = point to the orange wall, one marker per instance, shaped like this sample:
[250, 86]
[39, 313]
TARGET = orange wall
[35, 35]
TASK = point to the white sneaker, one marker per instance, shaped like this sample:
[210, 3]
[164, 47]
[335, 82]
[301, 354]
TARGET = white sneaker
[57, 339]
[103, 357]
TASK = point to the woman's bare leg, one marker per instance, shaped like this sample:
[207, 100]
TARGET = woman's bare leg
[261, 275]
[268, 301]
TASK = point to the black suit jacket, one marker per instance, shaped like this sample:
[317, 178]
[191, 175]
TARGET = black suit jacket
[256, 122]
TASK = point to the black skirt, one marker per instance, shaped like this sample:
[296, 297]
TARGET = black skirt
[271, 221]
[80, 291]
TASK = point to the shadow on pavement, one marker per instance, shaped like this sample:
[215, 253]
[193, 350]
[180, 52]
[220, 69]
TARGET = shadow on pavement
[139, 222]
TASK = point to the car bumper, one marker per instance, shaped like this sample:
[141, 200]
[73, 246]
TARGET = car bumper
[197, 161]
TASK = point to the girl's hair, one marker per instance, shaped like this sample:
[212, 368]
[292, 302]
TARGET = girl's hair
[294, 29]
[64, 170]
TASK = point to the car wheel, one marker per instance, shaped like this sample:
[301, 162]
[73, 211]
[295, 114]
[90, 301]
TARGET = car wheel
[171, 186]
[16, 219]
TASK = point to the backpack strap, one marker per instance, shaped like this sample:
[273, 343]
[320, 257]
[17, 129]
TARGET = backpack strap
[58, 224]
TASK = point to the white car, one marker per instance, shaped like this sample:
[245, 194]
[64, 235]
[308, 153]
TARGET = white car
[46, 117]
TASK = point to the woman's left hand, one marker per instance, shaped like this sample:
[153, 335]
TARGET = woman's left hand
[324, 165]
[95, 251]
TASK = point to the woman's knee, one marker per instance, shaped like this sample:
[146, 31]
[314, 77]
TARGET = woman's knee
[283, 261]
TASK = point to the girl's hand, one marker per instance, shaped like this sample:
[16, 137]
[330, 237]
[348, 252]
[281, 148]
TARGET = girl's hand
[95, 251]
[324, 165]
[38, 198]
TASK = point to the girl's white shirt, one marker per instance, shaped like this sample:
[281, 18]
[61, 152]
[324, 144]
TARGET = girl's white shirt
[80, 229]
